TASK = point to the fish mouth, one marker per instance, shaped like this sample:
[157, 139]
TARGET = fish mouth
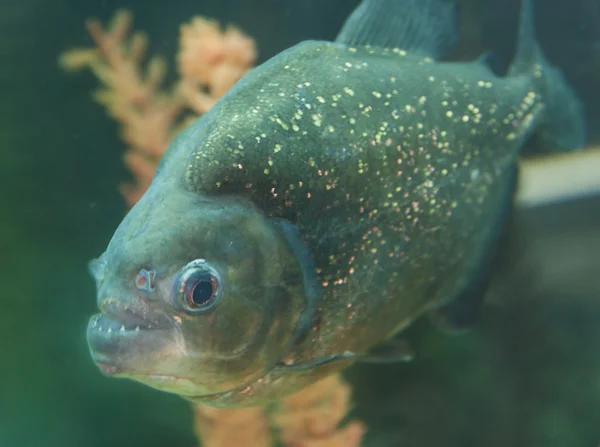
[109, 324]
[113, 334]
[118, 317]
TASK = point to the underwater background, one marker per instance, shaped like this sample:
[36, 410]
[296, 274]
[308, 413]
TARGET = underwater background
[528, 375]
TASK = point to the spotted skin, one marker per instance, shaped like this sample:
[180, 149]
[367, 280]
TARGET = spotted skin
[392, 166]
[384, 182]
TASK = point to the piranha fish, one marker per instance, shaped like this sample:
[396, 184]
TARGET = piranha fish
[335, 194]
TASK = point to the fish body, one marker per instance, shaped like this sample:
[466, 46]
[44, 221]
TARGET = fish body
[338, 192]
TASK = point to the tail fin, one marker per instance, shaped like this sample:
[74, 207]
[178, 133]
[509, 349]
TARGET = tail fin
[562, 125]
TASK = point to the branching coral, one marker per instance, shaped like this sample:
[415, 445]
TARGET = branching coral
[210, 61]
[309, 418]
[227, 428]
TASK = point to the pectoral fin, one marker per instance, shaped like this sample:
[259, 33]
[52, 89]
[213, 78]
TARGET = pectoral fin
[390, 351]
[312, 291]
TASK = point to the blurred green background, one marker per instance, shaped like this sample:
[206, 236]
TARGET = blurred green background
[529, 375]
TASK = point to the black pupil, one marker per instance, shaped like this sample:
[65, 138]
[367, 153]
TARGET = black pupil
[203, 290]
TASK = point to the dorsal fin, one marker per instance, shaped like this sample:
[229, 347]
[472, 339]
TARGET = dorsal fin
[428, 27]
[528, 53]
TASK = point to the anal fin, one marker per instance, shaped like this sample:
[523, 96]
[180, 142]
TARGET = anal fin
[463, 311]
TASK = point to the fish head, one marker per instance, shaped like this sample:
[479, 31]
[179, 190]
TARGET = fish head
[197, 295]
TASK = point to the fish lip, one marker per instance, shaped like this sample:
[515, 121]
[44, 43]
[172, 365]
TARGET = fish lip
[123, 326]
[109, 369]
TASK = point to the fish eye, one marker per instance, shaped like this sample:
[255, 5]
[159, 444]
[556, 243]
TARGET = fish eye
[199, 286]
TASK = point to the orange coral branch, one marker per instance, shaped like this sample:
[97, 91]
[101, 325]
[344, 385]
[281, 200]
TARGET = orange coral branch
[309, 418]
[232, 428]
[210, 62]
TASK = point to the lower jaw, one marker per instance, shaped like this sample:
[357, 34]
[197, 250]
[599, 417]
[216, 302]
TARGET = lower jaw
[108, 350]
[115, 354]
[166, 383]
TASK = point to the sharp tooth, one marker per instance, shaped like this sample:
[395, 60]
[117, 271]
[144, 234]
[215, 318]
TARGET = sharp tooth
[109, 330]
[95, 323]
[137, 328]
[100, 328]
[122, 328]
